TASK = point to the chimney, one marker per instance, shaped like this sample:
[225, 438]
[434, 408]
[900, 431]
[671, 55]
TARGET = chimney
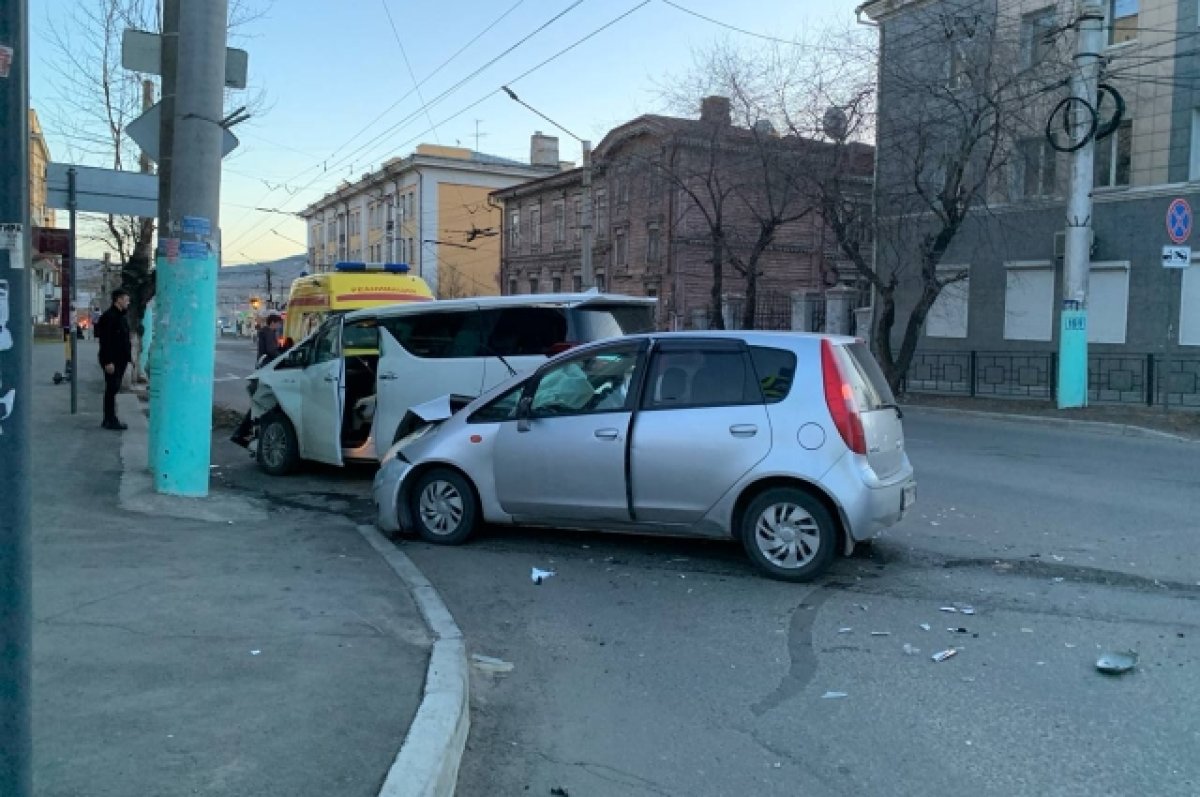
[764, 129]
[716, 110]
[543, 150]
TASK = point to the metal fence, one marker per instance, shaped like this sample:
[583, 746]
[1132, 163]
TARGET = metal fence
[1149, 379]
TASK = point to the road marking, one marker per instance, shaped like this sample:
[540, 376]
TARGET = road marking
[227, 378]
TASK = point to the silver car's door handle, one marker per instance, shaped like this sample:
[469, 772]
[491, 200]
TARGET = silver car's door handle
[388, 376]
[607, 434]
[743, 430]
[331, 379]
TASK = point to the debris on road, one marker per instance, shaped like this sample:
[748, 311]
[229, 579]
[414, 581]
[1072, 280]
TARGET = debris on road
[967, 609]
[1026, 630]
[255, 652]
[924, 626]
[881, 633]
[833, 695]
[491, 664]
[538, 575]
[862, 606]
[845, 630]
[959, 630]
[942, 655]
[949, 609]
[559, 791]
[909, 650]
[1113, 663]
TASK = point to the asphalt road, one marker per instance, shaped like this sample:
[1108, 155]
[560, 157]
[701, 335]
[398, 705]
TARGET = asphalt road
[669, 667]
[234, 361]
[661, 667]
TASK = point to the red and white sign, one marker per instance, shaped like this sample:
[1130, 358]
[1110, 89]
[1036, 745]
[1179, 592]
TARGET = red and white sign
[1179, 221]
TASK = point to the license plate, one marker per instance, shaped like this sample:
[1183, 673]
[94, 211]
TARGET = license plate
[908, 497]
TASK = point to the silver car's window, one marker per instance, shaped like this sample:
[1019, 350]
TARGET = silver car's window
[501, 408]
[698, 378]
[590, 383]
[775, 370]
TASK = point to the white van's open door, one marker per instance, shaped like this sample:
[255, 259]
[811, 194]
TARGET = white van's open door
[391, 394]
[323, 389]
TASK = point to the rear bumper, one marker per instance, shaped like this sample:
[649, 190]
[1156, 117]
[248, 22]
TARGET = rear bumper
[871, 504]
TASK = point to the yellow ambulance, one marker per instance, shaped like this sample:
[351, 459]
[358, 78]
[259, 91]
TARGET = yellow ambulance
[350, 286]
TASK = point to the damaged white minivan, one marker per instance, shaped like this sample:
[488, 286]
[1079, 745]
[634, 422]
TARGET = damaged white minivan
[340, 395]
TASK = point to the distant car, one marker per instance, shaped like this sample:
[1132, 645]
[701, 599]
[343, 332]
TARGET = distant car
[790, 443]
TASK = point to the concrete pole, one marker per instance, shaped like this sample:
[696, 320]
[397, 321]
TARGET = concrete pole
[587, 275]
[187, 317]
[16, 393]
[166, 133]
[1072, 340]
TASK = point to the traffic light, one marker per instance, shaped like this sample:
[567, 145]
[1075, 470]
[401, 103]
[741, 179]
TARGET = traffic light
[255, 302]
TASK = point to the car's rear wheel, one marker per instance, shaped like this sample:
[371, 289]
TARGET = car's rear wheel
[444, 507]
[789, 534]
[278, 449]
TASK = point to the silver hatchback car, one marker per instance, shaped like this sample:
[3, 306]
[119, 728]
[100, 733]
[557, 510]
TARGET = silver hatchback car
[791, 443]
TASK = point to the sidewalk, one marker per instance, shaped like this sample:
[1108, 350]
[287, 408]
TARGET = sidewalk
[261, 650]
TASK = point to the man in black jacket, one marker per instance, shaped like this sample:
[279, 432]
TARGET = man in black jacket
[268, 340]
[116, 352]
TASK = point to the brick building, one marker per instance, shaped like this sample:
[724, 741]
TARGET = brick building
[658, 184]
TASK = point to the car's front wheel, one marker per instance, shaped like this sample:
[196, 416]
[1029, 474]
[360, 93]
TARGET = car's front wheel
[278, 449]
[444, 507]
[789, 534]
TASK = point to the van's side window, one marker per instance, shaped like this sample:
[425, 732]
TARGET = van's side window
[522, 331]
[436, 335]
[326, 348]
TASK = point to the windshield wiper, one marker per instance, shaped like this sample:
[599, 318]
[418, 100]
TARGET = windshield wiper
[511, 371]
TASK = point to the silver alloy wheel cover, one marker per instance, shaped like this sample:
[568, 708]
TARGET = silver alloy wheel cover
[441, 507]
[787, 535]
[273, 445]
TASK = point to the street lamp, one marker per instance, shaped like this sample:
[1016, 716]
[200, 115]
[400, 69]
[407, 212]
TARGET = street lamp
[587, 277]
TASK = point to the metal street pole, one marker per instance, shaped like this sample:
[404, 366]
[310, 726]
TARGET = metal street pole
[16, 392]
[166, 132]
[587, 275]
[187, 282]
[1072, 340]
[74, 293]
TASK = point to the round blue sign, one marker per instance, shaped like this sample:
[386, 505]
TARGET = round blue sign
[1179, 221]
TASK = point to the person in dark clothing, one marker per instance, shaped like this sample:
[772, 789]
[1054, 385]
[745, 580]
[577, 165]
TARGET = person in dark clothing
[268, 340]
[116, 352]
[268, 350]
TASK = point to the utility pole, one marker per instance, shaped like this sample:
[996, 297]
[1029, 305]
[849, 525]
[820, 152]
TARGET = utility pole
[16, 393]
[587, 275]
[270, 293]
[166, 133]
[1072, 340]
[187, 282]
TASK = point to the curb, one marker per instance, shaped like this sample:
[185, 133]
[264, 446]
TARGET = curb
[1102, 427]
[428, 761]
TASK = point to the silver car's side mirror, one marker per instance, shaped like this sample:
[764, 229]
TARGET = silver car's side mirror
[524, 411]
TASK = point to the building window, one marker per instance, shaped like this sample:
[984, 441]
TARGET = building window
[1108, 302]
[652, 293]
[560, 222]
[620, 248]
[556, 285]
[1038, 30]
[403, 251]
[601, 212]
[948, 316]
[600, 282]
[512, 287]
[621, 186]
[578, 218]
[533, 285]
[1029, 301]
[1037, 167]
[1194, 166]
[958, 70]
[1114, 157]
[577, 284]
[535, 225]
[514, 230]
[1122, 21]
[652, 243]
[412, 250]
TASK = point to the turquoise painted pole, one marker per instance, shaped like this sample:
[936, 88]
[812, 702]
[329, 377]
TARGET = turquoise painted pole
[154, 366]
[1073, 357]
[184, 425]
[189, 243]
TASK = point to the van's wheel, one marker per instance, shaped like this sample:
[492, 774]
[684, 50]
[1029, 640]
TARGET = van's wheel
[789, 534]
[444, 507]
[278, 450]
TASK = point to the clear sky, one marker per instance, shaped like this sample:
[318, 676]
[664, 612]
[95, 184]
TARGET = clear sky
[340, 99]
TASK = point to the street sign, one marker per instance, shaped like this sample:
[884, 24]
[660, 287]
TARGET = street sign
[144, 132]
[1179, 221]
[103, 190]
[141, 51]
[1176, 256]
